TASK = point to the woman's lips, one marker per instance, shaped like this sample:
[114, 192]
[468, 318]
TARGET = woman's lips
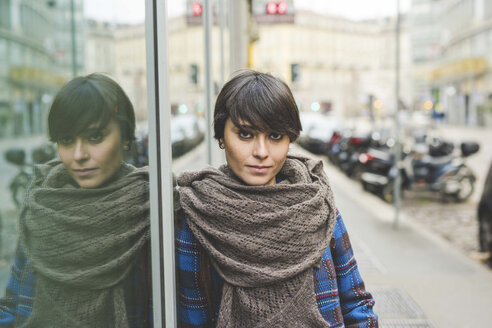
[259, 169]
[84, 172]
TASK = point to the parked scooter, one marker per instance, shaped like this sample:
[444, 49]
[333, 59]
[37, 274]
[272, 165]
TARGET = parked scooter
[444, 173]
[17, 156]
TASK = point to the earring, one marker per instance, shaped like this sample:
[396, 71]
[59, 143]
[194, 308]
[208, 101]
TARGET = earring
[126, 147]
[221, 144]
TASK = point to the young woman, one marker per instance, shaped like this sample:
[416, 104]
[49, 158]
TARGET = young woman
[83, 253]
[260, 242]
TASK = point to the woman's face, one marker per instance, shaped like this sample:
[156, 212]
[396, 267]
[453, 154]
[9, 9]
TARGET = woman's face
[93, 157]
[255, 157]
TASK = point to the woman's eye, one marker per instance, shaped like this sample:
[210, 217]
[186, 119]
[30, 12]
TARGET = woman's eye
[97, 137]
[244, 134]
[276, 136]
[66, 141]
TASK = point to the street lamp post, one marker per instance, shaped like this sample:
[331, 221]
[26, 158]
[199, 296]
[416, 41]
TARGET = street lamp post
[397, 182]
[74, 44]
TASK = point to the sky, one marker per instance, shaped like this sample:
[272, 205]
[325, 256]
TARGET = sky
[133, 11]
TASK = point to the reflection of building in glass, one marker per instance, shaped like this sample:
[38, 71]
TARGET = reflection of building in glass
[454, 65]
[99, 47]
[130, 61]
[119, 50]
[336, 62]
[35, 47]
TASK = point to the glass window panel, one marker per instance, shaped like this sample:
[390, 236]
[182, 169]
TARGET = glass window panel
[43, 45]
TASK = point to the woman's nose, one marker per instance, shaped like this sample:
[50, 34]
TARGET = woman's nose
[80, 151]
[260, 149]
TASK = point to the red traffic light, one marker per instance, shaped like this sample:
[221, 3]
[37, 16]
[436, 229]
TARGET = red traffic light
[276, 7]
[271, 7]
[196, 8]
[282, 7]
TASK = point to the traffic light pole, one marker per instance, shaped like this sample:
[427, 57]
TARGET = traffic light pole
[207, 22]
[238, 38]
[222, 21]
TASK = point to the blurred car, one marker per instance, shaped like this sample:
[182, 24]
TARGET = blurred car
[307, 120]
[485, 217]
[317, 131]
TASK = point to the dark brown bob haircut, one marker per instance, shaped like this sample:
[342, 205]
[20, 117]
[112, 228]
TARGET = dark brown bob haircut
[88, 100]
[258, 99]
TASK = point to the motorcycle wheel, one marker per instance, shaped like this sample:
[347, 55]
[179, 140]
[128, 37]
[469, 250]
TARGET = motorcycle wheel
[18, 195]
[466, 189]
[18, 188]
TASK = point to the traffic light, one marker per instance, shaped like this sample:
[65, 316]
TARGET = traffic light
[276, 7]
[295, 72]
[196, 8]
[194, 73]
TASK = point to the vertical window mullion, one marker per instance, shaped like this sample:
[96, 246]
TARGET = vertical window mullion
[160, 159]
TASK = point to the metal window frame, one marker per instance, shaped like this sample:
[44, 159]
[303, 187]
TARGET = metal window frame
[160, 159]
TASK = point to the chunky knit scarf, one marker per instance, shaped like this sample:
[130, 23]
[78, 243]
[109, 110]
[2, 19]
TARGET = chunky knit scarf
[82, 243]
[263, 240]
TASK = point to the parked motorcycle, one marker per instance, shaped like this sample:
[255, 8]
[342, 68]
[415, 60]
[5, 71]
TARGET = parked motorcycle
[340, 145]
[17, 156]
[431, 170]
[351, 149]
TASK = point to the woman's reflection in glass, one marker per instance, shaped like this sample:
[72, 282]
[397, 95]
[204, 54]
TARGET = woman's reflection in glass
[83, 253]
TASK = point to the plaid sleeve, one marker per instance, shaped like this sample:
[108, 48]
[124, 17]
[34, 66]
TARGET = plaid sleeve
[193, 311]
[356, 303]
[16, 306]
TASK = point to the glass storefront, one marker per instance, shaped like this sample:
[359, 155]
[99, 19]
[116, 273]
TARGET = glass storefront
[171, 58]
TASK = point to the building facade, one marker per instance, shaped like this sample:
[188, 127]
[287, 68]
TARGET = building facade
[340, 64]
[35, 47]
[457, 76]
[130, 70]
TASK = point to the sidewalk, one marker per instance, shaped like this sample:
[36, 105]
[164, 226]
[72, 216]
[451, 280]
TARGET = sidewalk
[417, 278]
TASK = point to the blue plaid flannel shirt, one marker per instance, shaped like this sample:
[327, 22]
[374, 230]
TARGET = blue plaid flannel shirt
[16, 305]
[340, 293]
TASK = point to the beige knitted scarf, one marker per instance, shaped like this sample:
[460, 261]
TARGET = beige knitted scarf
[82, 243]
[263, 240]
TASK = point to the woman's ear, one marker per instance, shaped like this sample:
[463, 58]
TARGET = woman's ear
[126, 145]
[221, 143]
